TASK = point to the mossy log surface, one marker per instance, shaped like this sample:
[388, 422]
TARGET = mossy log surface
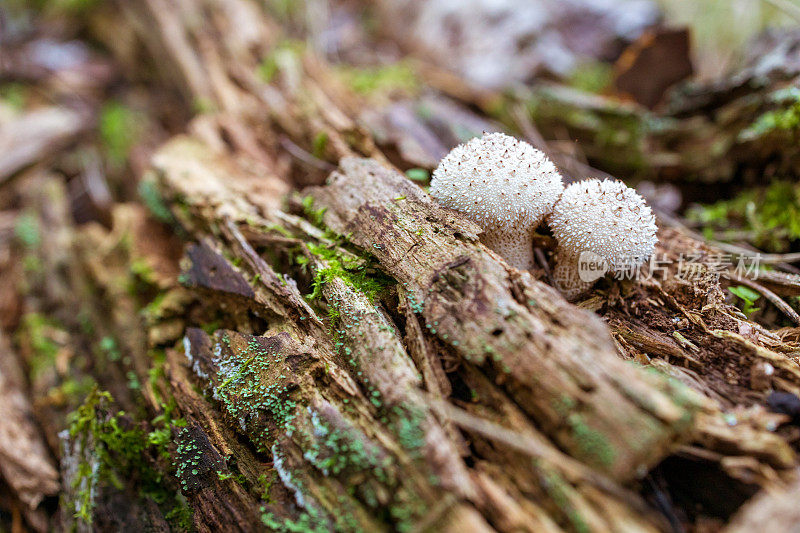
[288, 334]
[344, 389]
[344, 369]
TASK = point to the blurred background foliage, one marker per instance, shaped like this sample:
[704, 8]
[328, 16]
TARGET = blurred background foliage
[721, 29]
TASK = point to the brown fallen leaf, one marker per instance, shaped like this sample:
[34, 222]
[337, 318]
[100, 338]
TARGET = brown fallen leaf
[25, 462]
[652, 64]
[26, 139]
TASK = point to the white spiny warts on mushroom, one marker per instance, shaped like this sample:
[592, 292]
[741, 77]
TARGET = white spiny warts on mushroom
[606, 218]
[504, 185]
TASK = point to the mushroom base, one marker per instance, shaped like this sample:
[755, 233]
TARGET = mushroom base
[513, 244]
[566, 276]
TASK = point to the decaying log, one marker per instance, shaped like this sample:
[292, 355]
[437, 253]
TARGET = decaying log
[393, 210]
[25, 461]
[366, 338]
[261, 355]
[560, 365]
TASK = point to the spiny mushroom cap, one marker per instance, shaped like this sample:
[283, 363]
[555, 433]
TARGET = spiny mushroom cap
[498, 182]
[607, 218]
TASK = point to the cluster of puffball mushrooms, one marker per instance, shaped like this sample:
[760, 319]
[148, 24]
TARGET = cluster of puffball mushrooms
[509, 188]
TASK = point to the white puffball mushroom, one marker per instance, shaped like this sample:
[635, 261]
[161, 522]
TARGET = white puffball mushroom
[504, 185]
[603, 222]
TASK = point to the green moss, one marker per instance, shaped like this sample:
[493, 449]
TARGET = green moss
[357, 269]
[180, 516]
[417, 304]
[109, 347]
[141, 280]
[133, 380]
[283, 55]
[408, 428]
[27, 230]
[121, 448]
[407, 511]
[73, 391]
[157, 378]
[592, 77]
[40, 333]
[333, 450]
[357, 272]
[307, 522]
[285, 10]
[65, 7]
[84, 483]
[320, 144]
[265, 482]
[203, 106]
[157, 308]
[310, 519]
[784, 119]
[224, 476]
[591, 443]
[148, 192]
[120, 129]
[559, 491]
[271, 227]
[314, 215]
[768, 217]
[564, 405]
[32, 264]
[13, 95]
[188, 460]
[239, 373]
[418, 174]
[383, 79]
[211, 327]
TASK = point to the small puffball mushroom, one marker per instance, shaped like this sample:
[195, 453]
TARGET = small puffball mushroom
[601, 226]
[504, 185]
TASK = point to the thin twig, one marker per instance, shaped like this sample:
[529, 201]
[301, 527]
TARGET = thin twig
[772, 259]
[765, 258]
[784, 279]
[776, 300]
[542, 260]
[305, 156]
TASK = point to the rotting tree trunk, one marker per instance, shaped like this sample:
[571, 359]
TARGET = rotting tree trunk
[354, 359]
[368, 369]
[560, 365]
[347, 396]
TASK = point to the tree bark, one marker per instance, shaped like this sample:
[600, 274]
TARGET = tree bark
[348, 356]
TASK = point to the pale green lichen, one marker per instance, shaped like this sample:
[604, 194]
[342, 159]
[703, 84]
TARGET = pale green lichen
[244, 391]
